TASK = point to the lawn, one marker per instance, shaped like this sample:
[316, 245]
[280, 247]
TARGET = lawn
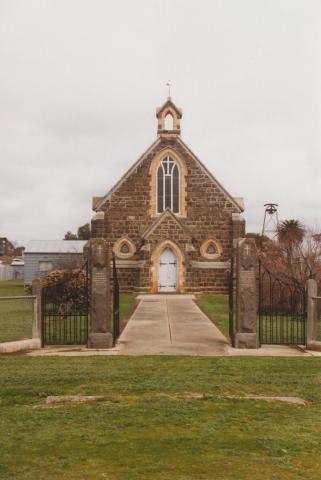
[216, 308]
[127, 305]
[16, 315]
[151, 426]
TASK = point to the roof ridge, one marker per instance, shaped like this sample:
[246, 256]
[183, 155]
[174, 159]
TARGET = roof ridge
[124, 176]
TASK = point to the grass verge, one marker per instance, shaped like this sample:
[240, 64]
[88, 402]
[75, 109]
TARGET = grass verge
[216, 308]
[15, 315]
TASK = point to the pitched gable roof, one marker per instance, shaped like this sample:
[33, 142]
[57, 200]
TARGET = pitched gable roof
[98, 202]
[237, 202]
[167, 214]
[168, 104]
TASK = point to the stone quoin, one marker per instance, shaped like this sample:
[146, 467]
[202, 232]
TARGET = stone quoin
[171, 225]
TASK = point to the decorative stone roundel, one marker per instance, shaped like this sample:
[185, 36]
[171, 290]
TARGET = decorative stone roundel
[124, 248]
[211, 249]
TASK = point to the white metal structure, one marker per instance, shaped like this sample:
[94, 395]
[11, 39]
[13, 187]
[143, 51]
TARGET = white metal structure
[167, 273]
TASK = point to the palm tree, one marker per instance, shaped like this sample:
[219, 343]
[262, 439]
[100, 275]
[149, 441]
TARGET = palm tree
[290, 234]
[290, 231]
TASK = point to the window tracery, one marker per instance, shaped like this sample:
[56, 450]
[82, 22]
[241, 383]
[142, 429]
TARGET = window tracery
[168, 186]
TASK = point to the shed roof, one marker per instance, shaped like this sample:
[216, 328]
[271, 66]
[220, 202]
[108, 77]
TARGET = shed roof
[55, 246]
[17, 262]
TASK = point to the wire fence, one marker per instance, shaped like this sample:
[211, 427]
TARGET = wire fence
[16, 314]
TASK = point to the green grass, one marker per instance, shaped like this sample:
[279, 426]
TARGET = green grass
[15, 315]
[216, 308]
[128, 302]
[149, 426]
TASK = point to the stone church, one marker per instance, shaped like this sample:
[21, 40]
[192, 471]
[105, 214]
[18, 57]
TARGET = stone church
[169, 222]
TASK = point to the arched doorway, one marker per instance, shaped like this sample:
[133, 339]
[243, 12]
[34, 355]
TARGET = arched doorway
[167, 271]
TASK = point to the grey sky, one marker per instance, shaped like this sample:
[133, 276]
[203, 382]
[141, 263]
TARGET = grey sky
[80, 81]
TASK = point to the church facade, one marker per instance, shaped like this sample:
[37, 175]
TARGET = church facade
[169, 222]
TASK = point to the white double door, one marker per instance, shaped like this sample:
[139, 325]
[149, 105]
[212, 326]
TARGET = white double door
[167, 273]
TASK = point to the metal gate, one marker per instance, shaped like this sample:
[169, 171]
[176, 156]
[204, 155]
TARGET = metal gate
[116, 313]
[231, 301]
[281, 310]
[65, 309]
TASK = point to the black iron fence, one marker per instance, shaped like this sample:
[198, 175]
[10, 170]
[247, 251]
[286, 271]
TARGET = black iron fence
[281, 310]
[116, 303]
[65, 308]
[232, 301]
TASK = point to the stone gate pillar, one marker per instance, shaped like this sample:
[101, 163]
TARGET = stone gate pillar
[36, 319]
[246, 294]
[312, 316]
[100, 304]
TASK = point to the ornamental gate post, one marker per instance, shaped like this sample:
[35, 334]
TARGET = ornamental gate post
[100, 301]
[246, 296]
[37, 309]
[311, 311]
[312, 316]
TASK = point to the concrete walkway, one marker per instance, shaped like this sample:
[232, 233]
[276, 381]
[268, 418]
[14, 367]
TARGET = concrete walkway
[170, 325]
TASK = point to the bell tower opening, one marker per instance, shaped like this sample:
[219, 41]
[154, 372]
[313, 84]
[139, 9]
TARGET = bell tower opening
[168, 117]
[169, 122]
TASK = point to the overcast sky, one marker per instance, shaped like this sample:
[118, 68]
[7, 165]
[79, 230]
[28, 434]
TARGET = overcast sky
[80, 82]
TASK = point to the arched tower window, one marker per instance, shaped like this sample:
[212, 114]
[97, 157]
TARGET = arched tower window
[168, 186]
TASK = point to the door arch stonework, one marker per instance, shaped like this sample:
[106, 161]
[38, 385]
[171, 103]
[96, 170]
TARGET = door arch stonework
[155, 259]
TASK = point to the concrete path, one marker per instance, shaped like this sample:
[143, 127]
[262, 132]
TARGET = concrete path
[170, 325]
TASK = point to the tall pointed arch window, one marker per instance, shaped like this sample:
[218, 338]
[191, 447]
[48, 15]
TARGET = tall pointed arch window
[168, 186]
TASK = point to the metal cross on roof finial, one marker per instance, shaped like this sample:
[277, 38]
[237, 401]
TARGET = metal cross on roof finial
[169, 85]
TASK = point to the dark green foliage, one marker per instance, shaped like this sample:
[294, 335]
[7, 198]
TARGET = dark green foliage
[84, 232]
[70, 236]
